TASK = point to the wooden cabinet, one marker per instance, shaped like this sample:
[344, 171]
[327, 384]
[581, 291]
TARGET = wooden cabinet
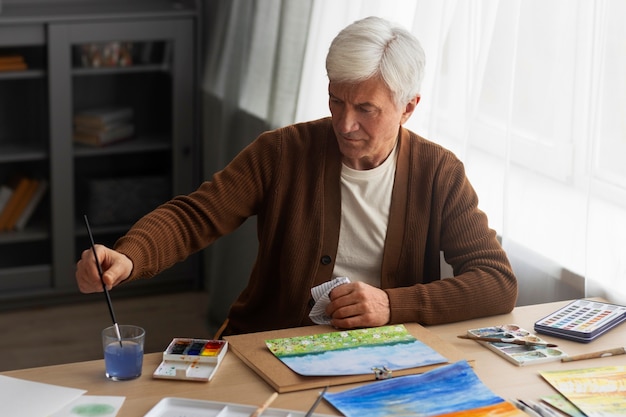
[37, 106]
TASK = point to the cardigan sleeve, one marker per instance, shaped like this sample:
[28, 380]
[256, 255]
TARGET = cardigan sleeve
[483, 283]
[189, 223]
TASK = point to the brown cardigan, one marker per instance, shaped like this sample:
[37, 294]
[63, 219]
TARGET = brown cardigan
[289, 178]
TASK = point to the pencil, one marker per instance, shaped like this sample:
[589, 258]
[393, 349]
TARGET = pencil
[592, 355]
[506, 340]
[263, 407]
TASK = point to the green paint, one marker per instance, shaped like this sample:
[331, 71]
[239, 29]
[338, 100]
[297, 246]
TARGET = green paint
[92, 410]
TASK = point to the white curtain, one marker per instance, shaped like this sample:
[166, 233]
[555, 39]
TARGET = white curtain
[530, 95]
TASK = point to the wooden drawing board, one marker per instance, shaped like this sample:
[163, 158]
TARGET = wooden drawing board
[251, 349]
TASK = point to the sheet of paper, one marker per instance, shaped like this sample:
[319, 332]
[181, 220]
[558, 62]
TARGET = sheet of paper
[449, 390]
[597, 392]
[92, 405]
[20, 397]
[354, 352]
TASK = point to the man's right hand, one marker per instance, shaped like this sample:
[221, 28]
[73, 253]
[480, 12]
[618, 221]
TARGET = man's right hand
[116, 267]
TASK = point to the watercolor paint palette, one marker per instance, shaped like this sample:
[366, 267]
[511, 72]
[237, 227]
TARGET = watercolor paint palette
[191, 359]
[582, 320]
[182, 407]
[520, 355]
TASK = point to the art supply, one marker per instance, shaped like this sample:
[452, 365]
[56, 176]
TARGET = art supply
[595, 391]
[525, 408]
[541, 409]
[265, 405]
[517, 345]
[123, 352]
[582, 320]
[191, 359]
[599, 354]
[506, 340]
[449, 390]
[174, 406]
[104, 288]
[354, 352]
[316, 403]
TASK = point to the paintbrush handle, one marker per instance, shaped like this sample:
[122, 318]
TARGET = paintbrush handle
[592, 355]
[510, 340]
[265, 405]
[104, 288]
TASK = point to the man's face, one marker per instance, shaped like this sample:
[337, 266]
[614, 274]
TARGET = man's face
[366, 121]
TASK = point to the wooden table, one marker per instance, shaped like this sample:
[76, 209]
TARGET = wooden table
[236, 383]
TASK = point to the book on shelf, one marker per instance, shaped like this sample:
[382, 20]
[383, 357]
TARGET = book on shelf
[21, 204]
[102, 126]
[20, 186]
[31, 205]
[12, 63]
[25, 195]
[99, 118]
[104, 136]
[5, 195]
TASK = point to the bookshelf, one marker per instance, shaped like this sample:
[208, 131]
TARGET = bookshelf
[63, 45]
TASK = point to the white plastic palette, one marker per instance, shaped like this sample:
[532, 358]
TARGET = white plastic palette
[182, 407]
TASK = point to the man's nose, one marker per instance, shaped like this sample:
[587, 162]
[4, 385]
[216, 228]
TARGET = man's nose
[348, 122]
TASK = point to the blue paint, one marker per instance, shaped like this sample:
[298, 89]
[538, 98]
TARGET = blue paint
[443, 390]
[123, 362]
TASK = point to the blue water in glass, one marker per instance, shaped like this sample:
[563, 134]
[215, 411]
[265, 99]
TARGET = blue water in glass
[123, 362]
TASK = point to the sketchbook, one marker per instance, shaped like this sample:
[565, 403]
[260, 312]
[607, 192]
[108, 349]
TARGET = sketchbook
[251, 348]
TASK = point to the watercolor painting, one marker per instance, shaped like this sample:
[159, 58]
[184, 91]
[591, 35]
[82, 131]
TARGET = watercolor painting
[92, 406]
[561, 403]
[354, 352]
[597, 392]
[451, 390]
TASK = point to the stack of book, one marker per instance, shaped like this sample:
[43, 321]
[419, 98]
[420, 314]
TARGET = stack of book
[18, 200]
[103, 126]
[12, 63]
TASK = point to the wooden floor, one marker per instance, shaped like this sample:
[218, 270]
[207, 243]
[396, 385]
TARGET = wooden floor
[61, 334]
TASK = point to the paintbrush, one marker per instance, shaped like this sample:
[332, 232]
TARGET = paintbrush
[106, 292]
[592, 355]
[265, 405]
[506, 340]
[316, 403]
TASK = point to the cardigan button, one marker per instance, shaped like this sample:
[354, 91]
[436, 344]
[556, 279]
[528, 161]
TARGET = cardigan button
[326, 260]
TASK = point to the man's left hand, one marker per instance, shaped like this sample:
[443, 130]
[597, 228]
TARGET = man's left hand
[356, 304]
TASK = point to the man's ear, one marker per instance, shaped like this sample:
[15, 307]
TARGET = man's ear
[409, 109]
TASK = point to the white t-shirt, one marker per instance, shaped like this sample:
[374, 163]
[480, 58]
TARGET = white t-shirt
[365, 201]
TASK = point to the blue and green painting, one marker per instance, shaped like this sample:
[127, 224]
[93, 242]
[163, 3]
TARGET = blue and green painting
[354, 352]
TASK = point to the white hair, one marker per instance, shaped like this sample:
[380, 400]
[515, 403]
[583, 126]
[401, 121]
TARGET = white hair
[374, 47]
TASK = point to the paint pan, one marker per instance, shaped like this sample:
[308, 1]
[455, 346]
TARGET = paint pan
[191, 359]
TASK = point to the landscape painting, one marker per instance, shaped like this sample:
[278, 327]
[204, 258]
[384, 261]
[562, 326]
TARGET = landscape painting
[452, 390]
[597, 392]
[354, 352]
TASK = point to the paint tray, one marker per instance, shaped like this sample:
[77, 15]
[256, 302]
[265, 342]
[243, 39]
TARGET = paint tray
[176, 407]
[517, 354]
[191, 359]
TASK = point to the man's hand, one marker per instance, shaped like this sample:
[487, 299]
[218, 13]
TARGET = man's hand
[116, 267]
[356, 304]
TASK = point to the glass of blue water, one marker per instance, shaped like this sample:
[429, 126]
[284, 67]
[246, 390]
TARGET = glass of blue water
[123, 358]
